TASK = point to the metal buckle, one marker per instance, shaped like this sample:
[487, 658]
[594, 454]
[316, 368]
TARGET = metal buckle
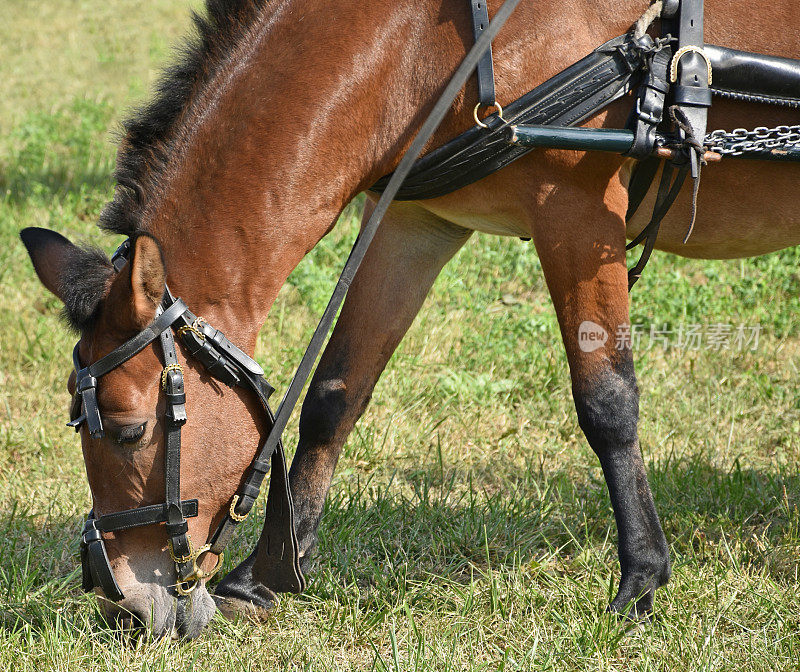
[232, 511]
[645, 116]
[181, 559]
[189, 584]
[194, 328]
[165, 373]
[673, 68]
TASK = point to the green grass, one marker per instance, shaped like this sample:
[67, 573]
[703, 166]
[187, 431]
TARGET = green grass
[468, 527]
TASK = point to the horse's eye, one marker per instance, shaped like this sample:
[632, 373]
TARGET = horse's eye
[131, 434]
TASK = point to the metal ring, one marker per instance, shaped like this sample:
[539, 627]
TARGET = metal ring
[165, 372]
[232, 512]
[673, 68]
[192, 584]
[198, 573]
[496, 105]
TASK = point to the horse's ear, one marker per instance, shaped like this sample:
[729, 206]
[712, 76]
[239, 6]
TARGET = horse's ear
[50, 253]
[148, 275]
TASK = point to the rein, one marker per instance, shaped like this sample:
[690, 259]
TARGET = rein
[227, 363]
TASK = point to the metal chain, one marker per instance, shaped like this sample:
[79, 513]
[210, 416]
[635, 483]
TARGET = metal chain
[743, 141]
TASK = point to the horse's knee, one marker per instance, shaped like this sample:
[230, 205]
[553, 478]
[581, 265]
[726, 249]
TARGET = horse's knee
[323, 411]
[607, 406]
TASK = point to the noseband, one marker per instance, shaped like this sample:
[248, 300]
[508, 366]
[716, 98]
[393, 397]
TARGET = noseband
[228, 364]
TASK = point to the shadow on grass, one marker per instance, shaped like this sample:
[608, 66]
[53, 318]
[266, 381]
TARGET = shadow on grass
[421, 527]
[445, 529]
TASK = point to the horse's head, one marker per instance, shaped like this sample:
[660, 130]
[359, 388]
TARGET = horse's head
[125, 460]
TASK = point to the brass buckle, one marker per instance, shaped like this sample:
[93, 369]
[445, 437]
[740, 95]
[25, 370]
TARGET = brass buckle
[194, 327]
[673, 68]
[232, 512]
[190, 583]
[165, 372]
[181, 559]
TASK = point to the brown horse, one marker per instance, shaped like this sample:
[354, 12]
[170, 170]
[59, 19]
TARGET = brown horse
[278, 117]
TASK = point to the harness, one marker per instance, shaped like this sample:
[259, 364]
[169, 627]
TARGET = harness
[542, 118]
[674, 77]
[229, 365]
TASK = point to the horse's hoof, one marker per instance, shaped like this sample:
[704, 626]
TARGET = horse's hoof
[635, 617]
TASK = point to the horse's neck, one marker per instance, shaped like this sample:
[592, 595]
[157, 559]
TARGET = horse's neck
[313, 108]
[316, 103]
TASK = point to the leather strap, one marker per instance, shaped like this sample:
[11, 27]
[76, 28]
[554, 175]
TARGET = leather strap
[668, 191]
[485, 69]
[566, 99]
[174, 418]
[649, 110]
[692, 91]
[279, 549]
[144, 515]
[139, 342]
[95, 566]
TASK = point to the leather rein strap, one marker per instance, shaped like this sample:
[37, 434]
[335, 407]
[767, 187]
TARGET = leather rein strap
[227, 363]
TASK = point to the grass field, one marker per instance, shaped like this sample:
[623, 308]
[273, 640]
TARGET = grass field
[468, 527]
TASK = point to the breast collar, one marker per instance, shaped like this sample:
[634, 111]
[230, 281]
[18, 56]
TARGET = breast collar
[229, 365]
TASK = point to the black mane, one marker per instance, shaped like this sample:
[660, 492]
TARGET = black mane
[148, 134]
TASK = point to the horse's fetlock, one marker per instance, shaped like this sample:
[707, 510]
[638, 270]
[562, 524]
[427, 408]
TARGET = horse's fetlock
[608, 408]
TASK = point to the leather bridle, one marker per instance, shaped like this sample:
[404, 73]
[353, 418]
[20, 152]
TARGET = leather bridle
[228, 364]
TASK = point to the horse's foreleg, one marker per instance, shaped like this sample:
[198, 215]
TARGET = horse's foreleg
[409, 249]
[584, 265]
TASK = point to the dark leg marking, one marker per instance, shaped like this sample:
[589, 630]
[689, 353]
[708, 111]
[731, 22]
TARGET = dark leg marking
[608, 413]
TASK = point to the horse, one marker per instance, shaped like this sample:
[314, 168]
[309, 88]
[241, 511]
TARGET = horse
[276, 117]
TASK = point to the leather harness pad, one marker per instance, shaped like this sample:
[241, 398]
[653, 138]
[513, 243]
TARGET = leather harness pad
[741, 72]
[566, 99]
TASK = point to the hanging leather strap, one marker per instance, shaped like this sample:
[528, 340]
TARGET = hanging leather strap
[668, 191]
[485, 69]
[692, 91]
[649, 110]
